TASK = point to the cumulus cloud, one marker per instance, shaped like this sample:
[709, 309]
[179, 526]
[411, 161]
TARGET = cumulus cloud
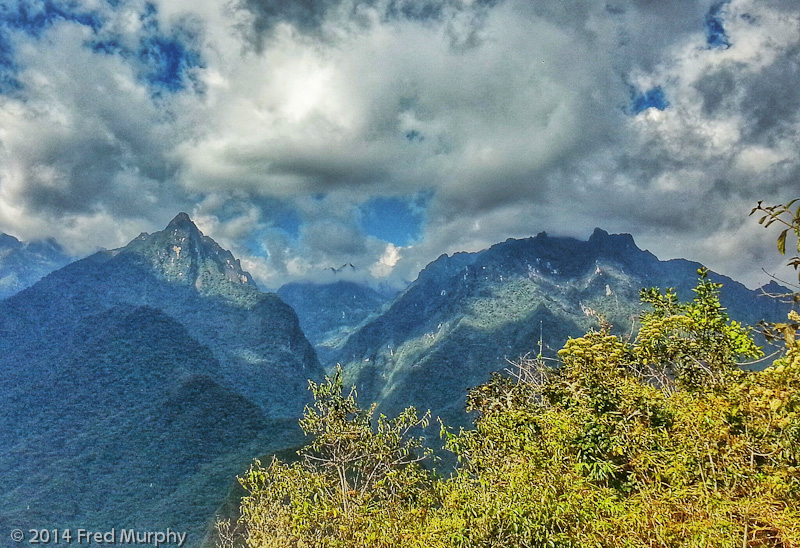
[280, 125]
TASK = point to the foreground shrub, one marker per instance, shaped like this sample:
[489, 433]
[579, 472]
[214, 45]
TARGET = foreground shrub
[659, 442]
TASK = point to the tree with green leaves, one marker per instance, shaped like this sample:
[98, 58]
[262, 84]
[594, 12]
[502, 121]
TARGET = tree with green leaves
[695, 343]
[359, 482]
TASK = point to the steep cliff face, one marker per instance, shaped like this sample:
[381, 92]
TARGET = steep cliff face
[182, 254]
[467, 314]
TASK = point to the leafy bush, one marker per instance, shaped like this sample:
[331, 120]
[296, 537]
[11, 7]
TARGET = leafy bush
[352, 486]
[663, 441]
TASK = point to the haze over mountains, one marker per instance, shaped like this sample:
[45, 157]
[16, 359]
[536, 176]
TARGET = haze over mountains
[329, 312]
[23, 264]
[136, 383]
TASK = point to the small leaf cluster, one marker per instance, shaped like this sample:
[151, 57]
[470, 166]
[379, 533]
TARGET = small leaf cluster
[695, 343]
[783, 214]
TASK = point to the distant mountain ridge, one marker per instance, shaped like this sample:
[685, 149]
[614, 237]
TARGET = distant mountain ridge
[328, 313]
[467, 314]
[23, 264]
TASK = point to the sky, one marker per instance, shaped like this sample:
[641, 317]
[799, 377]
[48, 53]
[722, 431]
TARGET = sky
[309, 134]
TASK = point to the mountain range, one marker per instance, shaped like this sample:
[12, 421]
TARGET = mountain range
[137, 382]
[469, 314]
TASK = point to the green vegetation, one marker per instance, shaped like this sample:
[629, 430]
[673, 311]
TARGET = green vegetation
[783, 214]
[660, 441]
[467, 314]
[352, 486]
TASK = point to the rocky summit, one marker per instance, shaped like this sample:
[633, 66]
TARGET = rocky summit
[182, 254]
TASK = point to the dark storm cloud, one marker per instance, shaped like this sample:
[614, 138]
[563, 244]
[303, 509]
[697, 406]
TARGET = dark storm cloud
[717, 89]
[771, 100]
[306, 15]
[309, 15]
[638, 30]
[76, 180]
[322, 173]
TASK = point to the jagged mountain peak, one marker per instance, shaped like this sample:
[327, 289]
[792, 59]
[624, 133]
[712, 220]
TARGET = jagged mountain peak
[182, 219]
[182, 226]
[603, 238]
[181, 253]
[598, 234]
[548, 255]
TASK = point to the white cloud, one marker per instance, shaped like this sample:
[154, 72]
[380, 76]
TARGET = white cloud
[516, 118]
[383, 268]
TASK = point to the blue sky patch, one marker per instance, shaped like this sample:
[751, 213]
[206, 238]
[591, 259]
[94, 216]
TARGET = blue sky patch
[715, 31]
[8, 83]
[289, 222]
[255, 244]
[653, 98]
[167, 61]
[396, 220]
[33, 20]
[164, 59]
[5, 51]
